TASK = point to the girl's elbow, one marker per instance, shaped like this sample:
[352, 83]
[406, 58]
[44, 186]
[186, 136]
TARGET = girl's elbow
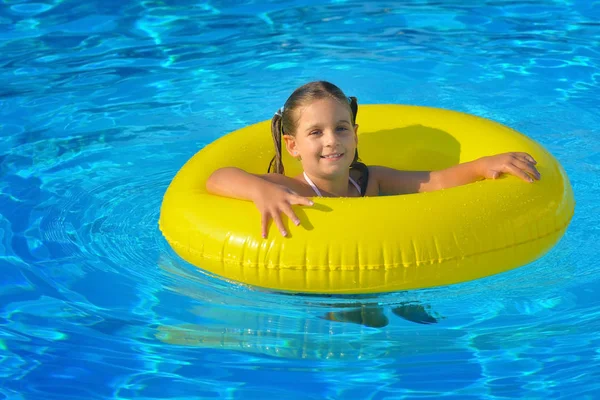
[212, 182]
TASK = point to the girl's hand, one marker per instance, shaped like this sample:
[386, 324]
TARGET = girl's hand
[272, 200]
[521, 165]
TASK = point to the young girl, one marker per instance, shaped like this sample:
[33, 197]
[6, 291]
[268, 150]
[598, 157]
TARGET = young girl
[318, 126]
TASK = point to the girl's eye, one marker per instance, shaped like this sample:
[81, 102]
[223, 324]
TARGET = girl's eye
[314, 132]
[342, 128]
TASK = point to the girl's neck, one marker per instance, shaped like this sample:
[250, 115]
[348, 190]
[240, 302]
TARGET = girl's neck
[334, 188]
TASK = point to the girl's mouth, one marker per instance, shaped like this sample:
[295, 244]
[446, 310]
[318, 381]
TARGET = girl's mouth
[333, 156]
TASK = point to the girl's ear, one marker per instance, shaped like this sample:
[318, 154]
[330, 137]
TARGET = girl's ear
[290, 145]
[356, 133]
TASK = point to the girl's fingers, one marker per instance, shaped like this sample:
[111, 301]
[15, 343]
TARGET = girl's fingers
[287, 209]
[528, 168]
[531, 159]
[301, 200]
[279, 223]
[516, 171]
[264, 224]
[275, 214]
[276, 219]
[526, 157]
[295, 198]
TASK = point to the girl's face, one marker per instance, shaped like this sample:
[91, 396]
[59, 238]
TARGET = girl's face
[325, 139]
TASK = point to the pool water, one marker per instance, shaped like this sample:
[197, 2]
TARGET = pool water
[101, 102]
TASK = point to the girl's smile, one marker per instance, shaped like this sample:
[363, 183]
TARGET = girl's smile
[333, 156]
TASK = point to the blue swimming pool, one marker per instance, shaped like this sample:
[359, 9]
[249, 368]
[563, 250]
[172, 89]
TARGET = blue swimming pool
[101, 102]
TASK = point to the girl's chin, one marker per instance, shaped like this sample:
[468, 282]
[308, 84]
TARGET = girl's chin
[333, 171]
[334, 164]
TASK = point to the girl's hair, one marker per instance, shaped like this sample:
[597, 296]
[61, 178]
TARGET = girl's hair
[283, 122]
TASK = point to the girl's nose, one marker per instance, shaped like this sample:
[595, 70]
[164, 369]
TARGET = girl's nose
[330, 138]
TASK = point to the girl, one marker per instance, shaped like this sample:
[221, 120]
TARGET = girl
[318, 126]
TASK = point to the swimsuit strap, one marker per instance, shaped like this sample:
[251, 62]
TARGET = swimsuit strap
[355, 185]
[318, 192]
[312, 185]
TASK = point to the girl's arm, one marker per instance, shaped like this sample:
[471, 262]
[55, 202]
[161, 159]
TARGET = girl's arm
[235, 183]
[268, 192]
[392, 181]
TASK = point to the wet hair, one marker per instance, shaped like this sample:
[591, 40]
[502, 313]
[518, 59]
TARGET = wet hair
[283, 122]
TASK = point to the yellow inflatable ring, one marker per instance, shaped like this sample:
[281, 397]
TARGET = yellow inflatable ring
[375, 244]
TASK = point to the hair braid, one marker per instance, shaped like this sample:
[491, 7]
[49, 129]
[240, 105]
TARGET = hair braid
[276, 164]
[363, 181]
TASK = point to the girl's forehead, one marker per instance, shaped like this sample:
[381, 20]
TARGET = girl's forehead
[323, 109]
